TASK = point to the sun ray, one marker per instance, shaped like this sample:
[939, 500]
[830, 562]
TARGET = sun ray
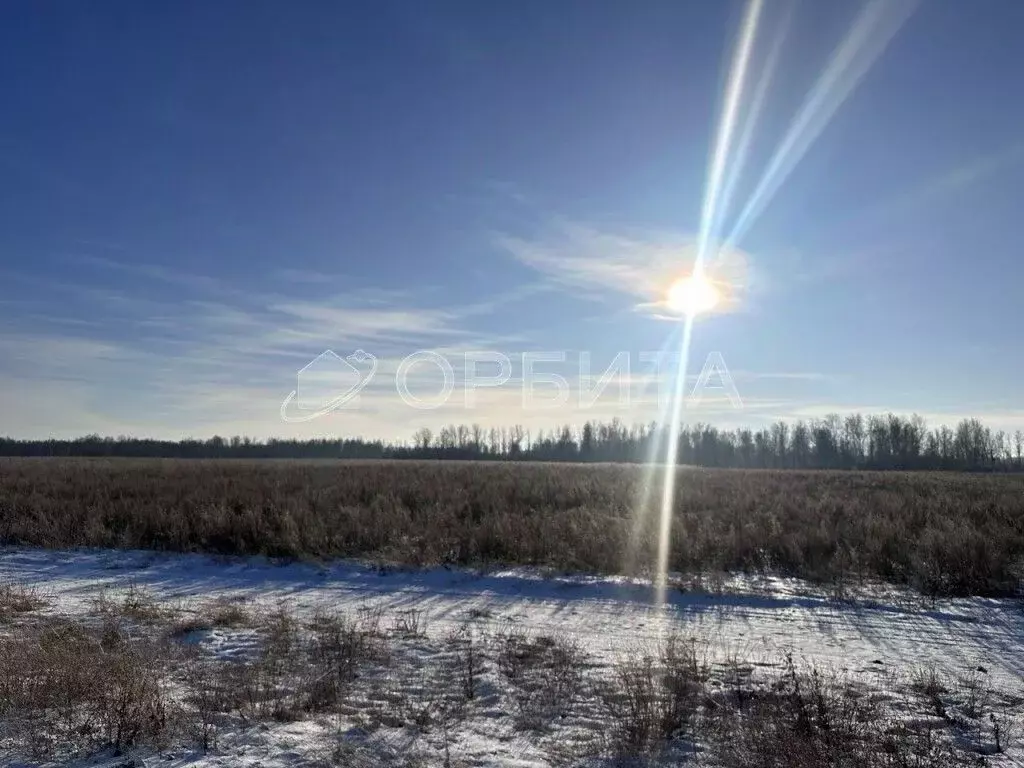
[726, 128]
[720, 155]
[760, 95]
[873, 29]
[875, 26]
[668, 489]
[654, 452]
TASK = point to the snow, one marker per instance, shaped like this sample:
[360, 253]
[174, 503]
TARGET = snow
[606, 614]
[879, 630]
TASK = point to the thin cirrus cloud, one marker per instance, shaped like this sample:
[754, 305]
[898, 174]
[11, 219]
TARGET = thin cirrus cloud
[942, 188]
[598, 265]
[998, 418]
[177, 353]
[203, 357]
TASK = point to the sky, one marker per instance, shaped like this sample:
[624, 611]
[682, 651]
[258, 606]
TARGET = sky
[199, 199]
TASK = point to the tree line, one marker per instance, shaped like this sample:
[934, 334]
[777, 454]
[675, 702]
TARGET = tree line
[885, 441]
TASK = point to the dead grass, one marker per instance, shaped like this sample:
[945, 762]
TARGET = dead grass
[654, 697]
[806, 717]
[63, 682]
[221, 612]
[944, 534]
[300, 668]
[17, 599]
[136, 604]
[72, 687]
[545, 674]
[225, 612]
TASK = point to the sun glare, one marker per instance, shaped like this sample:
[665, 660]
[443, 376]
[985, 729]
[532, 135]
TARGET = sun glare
[692, 295]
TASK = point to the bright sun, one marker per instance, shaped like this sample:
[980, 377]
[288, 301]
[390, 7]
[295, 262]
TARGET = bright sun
[692, 295]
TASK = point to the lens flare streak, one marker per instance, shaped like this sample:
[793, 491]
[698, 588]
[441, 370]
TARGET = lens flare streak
[654, 452]
[726, 128]
[723, 140]
[760, 95]
[668, 489]
[875, 26]
[870, 34]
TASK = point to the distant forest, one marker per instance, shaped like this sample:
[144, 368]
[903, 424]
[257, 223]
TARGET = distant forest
[853, 442]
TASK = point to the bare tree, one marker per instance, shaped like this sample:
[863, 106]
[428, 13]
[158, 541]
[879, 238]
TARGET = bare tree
[422, 438]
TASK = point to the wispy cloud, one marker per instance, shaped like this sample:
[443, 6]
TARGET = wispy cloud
[193, 353]
[943, 186]
[154, 272]
[593, 264]
[786, 375]
[199, 356]
[309, 276]
[330, 320]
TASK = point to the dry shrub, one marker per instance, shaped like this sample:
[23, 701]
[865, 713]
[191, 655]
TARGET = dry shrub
[137, 604]
[298, 669]
[338, 646]
[427, 697]
[945, 533]
[62, 688]
[225, 612]
[928, 683]
[410, 623]
[809, 718]
[17, 599]
[221, 612]
[976, 693]
[270, 686]
[207, 696]
[654, 697]
[545, 673]
[467, 659]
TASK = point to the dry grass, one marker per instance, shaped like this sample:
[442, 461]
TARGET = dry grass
[17, 599]
[545, 674]
[65, 682]
[136, 604]
[945, 534]
[811, 718]
[219, 613]
[72, 687]
[653, 698]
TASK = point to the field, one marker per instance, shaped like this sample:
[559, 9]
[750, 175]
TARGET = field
[297, 613]
[943, 534]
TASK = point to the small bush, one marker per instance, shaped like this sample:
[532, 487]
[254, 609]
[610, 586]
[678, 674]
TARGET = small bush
[16, 599]
[224, 612]
[467, 659]
[810, 718]
[337, 648]
[136, 604]
[653, 697]
[546, 675]
[61, 689]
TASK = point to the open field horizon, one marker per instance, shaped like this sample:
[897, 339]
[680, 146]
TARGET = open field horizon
[940, 533]
[875, 441]
[454, 384]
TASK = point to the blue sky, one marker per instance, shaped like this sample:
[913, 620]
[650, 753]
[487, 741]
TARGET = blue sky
[200, 198]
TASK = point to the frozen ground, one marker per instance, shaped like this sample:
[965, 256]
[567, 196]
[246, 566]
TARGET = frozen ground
[605, 614]
[877, 631]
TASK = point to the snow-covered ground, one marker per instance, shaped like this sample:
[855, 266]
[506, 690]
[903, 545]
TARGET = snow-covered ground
[605, 614]
[879, 630]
